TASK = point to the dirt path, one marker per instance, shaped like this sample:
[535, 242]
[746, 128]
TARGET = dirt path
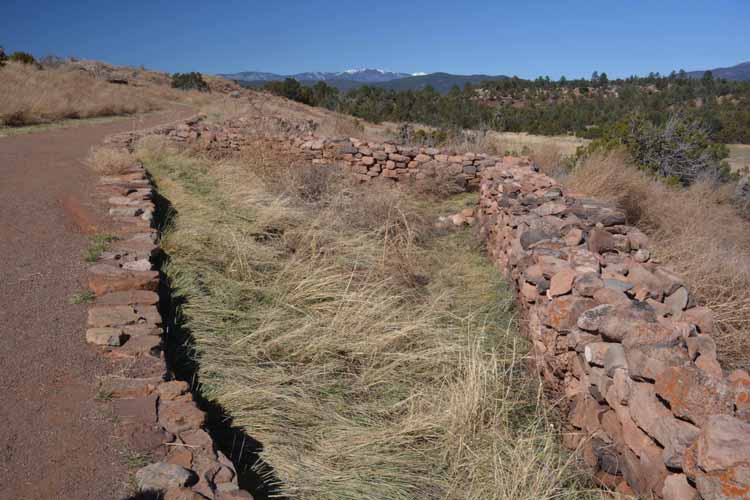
[56, 441]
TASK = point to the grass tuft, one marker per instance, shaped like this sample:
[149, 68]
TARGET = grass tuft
[98, 244]
[84, 297]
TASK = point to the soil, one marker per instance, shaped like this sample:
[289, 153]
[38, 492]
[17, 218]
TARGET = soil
[56, 439]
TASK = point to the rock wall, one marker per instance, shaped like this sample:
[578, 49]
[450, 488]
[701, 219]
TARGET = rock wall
[615, 334]
[157, 415]
[619, 336]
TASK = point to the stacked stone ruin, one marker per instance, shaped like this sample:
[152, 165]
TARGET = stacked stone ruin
[156, 414]
[615, 334]
[619, 335]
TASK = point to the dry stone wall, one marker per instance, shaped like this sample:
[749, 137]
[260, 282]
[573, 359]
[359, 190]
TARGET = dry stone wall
[616, 334]
[157, 415]
[620, 337]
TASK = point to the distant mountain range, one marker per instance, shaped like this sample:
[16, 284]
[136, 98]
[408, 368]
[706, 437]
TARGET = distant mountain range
[739, 72]
[355, 75]
[442, 82]
[353, 78]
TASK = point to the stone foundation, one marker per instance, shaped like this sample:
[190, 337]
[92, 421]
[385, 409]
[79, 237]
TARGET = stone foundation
[156, 414]
[616, 334]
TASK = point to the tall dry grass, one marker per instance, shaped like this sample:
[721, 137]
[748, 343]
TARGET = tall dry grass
[696, 231]
[32, 96]
[373, 357]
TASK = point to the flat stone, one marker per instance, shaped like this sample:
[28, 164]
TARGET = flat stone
[600, 241]
[677, 301]
[124, 387]
[562, 282]
[128, 297]
[172, 389]
[111, 316]
[179, 416]
[162, 476]
[573, 237]
[563, 312]
[106, 279]
[693, 395]
[724, 442]
[610, 296]
[138, 265]
[676, 487]
[145, 345]
[588, 283]
[110, 337]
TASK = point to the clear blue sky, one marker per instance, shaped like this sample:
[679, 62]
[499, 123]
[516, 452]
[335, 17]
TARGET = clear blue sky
[526, 38]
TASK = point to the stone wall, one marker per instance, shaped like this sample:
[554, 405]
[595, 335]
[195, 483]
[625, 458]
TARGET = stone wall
[157, 416]
[615, 334]
[619, 337]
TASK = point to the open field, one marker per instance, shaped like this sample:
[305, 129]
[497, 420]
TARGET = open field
[33, 96]
[373, 355]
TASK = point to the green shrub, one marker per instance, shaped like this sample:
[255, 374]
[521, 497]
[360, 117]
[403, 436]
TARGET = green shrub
[189, 81]
[3, 57]
[681, 150]
[22, 57]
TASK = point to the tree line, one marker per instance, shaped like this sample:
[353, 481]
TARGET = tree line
[584, 107]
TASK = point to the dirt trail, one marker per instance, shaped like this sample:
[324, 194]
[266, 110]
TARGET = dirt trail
[56, 440]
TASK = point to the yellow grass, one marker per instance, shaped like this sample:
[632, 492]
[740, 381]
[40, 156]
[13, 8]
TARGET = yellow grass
[33, 96]
[696, 231]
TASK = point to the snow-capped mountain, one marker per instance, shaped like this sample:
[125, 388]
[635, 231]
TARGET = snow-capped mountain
[364, 75]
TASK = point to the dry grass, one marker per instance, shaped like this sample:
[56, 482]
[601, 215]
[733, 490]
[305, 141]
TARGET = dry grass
[373, 357]
[110, 161]
[33, 96]
[696, 231]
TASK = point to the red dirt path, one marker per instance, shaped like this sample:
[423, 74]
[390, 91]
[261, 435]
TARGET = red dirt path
[56, 440]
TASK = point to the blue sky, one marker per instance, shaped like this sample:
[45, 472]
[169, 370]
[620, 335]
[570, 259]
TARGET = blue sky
[525, 38]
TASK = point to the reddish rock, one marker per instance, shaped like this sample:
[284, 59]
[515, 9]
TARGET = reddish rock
[128, 297]
[104, 279]
[172, 390]
[587, 284]
[179, 416]
[600, 241]
[110, 337]
[676, 487]
[645, 474]
[563, 312]
[562, 282]
[701, 317]
[693, 395]
[573, 237]
[723, 454]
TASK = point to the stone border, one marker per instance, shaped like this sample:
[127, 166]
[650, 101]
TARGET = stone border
[614, 332]
[157, 414]
[619, 336]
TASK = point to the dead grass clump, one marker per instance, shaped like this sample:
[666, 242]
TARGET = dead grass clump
[110, 161]
[696, 231]
[549, 157]
[360, 383]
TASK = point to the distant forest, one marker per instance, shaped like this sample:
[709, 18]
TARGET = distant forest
[586, 108]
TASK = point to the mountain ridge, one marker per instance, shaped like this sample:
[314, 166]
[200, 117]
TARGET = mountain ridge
[738, 72]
